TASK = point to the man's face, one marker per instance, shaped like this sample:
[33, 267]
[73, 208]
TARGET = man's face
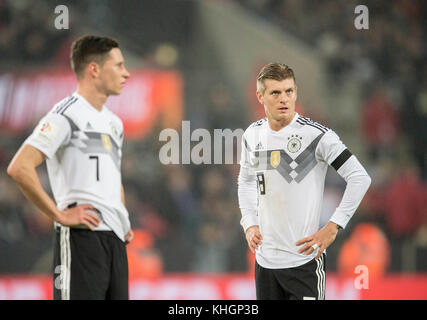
[279, 100]
[113, 73]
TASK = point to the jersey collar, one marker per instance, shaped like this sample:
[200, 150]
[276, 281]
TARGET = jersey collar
[296, 116]
[87, 103]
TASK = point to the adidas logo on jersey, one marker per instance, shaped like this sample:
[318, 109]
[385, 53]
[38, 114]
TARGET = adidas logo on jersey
[89, 126]
[258, 146]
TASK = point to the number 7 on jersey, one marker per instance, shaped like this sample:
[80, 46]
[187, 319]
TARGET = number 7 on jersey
[97, 165]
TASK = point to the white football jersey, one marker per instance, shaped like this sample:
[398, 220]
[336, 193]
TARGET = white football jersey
[290, 167]
[83, 150]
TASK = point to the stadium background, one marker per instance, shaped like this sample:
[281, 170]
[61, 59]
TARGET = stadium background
[197, 61]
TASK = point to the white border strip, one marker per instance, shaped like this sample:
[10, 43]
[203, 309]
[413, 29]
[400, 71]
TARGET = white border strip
[320, 272]
[65, 262]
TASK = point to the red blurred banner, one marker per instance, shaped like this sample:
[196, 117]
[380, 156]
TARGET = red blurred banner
[224, 287]
[148, 97]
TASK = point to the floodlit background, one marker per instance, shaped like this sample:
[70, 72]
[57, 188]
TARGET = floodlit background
[197, 61]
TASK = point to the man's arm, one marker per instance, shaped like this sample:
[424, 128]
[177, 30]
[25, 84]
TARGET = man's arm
[248, 195]
[358, 182]
[123, 196]
[22, 169]
[248, 198]
[129, 236]
[332, 151]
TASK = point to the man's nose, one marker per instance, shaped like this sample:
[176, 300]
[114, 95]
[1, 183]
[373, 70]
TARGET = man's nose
[283, 98]
[127, 74]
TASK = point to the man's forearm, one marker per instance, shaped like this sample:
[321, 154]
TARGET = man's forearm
[123, 195]
[248, 195]
[358, 182]
[27, 180]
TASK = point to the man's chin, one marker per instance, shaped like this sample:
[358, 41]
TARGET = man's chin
[115, 92]
[284, 117]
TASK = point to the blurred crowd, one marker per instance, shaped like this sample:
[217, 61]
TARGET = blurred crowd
[27, 34]
[186, 217]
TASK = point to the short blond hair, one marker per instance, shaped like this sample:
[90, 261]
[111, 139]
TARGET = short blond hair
[274, 71]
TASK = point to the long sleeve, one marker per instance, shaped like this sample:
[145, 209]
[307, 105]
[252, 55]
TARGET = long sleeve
[332, 150]
[248, 198]
[358, 182]
[247, 189]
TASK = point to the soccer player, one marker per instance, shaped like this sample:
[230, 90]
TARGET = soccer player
[81, 141]
[284, 161]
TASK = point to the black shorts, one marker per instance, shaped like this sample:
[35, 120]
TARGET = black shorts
[89, 265]
[299, 283]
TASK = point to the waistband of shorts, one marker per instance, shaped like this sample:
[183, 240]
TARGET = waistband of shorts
[82, 226]
[85, 229]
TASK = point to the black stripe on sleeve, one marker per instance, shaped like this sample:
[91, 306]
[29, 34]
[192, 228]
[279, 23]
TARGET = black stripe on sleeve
[65, 105]
[305, 121]
[65, 108]
[341, 159]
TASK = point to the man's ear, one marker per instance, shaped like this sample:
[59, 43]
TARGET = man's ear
[93, 69]
[260, 97]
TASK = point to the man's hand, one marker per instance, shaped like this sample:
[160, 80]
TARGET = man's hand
[80, 215]
[253, 237]
[129, 237]
[321, 239]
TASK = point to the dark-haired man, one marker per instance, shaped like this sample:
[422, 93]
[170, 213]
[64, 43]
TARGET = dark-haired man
[81, 141]
[284, 161]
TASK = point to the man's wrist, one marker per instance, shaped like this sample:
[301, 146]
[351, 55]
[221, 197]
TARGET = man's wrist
[335, 225]
[57, 216]
[251, 227]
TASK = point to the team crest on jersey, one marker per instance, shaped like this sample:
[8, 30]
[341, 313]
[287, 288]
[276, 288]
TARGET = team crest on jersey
[114, 131]
[106, 142]
[294, 144]
[275, 158]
